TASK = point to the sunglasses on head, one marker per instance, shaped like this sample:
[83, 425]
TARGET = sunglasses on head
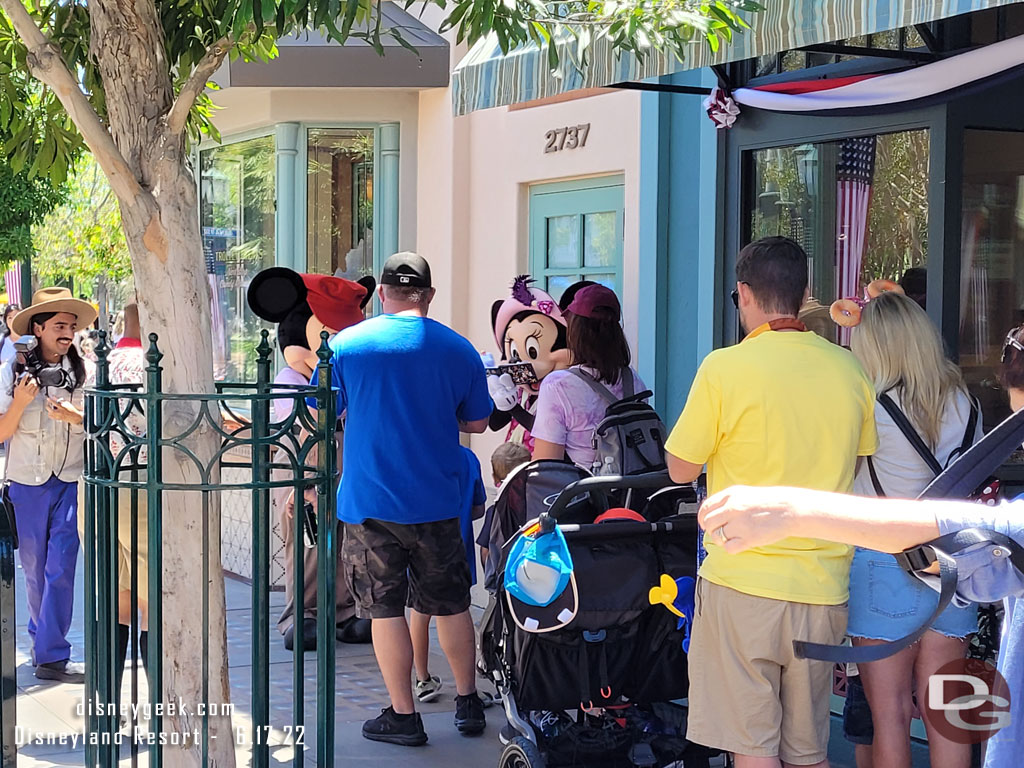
[1011, 343]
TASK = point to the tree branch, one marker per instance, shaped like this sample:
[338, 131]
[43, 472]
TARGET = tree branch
[177, 118]
[46, 64]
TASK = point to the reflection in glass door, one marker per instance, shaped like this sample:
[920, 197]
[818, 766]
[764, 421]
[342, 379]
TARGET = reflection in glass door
[576, 234]
[237, 200]
[859, 208]
[991, 260]
[339, 204]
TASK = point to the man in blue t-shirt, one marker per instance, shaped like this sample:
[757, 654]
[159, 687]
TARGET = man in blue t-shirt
[409, 385]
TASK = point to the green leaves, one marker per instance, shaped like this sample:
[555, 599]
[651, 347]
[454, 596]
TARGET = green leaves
[571, 27]
[82, 237]
[24, 201]
[36, 136]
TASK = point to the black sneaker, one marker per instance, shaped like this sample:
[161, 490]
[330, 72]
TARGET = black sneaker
[469, 714]
[393, 728]
[62, 672]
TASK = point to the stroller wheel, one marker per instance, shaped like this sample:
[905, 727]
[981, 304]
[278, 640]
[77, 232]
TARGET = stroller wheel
[521, 753]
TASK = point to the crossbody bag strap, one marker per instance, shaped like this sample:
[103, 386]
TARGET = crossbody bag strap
[879, 490]
[900, 420]
[603, 392]
[942, 551]
[972, 426]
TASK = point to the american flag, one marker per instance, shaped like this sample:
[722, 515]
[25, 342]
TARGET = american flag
[855, 172]
[12, 277]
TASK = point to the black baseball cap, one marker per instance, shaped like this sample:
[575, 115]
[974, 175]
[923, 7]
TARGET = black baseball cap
[406, 269]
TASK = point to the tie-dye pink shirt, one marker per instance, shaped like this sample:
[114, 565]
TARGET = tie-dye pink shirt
[568, 412]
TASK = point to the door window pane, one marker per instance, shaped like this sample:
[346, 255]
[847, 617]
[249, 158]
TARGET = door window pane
[339, 205]
[608, 281]
[563, 242]
[991, 260]
[557, 284]
[237, 203]
[858, 206]
[599, 244]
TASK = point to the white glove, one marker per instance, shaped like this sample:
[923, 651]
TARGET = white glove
[504, 392]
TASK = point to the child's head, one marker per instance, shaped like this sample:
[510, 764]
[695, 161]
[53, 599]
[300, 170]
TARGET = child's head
[505, 458]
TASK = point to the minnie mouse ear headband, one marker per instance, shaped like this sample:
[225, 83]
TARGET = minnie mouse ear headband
[847, 312]
[524, 298]
[336, 302]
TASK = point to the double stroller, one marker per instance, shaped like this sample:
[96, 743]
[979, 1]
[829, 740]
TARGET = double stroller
[594, 678]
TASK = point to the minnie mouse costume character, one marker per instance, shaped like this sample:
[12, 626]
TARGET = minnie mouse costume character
[528, 328]
[304, 306]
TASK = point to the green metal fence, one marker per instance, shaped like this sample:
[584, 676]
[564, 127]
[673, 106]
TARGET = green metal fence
[124, 465]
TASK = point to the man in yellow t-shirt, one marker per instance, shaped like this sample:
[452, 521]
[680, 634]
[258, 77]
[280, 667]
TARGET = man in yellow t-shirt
[783, 407]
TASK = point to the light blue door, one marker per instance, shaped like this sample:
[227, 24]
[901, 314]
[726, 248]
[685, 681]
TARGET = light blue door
[576, 233]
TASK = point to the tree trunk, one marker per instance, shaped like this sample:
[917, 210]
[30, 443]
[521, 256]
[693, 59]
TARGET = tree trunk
[161, 224]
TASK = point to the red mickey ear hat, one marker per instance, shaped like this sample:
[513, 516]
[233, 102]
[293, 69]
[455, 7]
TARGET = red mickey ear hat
[336, 302]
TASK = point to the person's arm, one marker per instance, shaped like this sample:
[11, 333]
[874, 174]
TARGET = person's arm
[682, 471]
[542, 449]
[477, 427]
[474, 412]
[748, 517]
[24, 393]
[499, 420]
[696, 433]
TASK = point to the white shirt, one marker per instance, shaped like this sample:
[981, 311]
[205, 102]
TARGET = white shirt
[901, 471]
[7, 350]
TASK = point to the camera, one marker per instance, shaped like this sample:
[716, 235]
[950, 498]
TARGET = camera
[27, 361]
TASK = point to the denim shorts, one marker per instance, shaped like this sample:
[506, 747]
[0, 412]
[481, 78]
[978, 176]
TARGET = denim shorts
[887, 603]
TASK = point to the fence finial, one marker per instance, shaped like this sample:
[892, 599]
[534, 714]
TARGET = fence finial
[154, 355]
[324, 353]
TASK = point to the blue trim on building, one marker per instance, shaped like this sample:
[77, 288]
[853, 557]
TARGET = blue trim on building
[678, 225]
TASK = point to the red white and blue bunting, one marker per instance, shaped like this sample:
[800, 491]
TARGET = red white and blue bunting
[940, 80]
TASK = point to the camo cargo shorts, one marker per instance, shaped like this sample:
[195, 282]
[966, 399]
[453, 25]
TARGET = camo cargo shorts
[391, 565]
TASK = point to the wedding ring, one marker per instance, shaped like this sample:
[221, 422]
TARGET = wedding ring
[720, 532]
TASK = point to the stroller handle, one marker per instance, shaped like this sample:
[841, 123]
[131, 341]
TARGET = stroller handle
[658, 479]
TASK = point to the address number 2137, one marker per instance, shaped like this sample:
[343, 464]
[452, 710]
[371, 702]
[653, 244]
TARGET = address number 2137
[570, 137]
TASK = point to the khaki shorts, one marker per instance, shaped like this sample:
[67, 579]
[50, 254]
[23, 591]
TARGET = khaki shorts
[748, 693]
[124, 543]
[124, 538]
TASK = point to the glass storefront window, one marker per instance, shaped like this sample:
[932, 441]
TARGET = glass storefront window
[339, 177]
[991, 260]
[237, 201]
[858, 206]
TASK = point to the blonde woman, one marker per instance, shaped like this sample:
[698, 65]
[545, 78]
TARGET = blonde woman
[902, 354]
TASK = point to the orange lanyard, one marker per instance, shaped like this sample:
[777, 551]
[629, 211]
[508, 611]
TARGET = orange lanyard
[782, 324]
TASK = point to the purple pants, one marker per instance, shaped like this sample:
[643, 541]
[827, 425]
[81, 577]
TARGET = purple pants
[47, 518]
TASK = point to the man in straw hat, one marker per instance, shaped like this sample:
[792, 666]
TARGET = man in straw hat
[41, 401]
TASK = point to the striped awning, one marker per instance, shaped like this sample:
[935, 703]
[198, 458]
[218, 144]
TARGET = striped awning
[487, 78]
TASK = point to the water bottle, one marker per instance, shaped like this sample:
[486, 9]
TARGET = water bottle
[608, 469]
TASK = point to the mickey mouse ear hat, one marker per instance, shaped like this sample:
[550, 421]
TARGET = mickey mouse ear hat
[540, 585]
[338, 303]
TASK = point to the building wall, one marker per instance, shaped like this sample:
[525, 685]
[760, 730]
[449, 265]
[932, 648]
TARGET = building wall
[474, 178]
